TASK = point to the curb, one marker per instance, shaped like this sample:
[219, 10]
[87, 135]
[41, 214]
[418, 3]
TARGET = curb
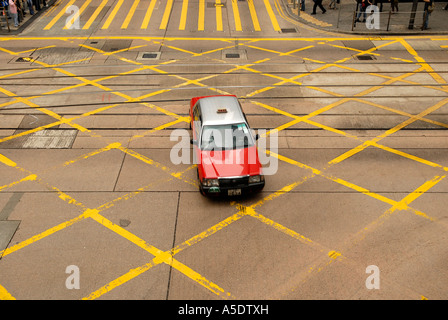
[29, 21]
[335, 30]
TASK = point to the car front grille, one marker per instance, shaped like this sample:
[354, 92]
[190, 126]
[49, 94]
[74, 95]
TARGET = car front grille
[235, 182]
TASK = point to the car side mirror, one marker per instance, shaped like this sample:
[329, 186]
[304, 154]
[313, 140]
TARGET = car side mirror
[193, 142]
[257, 136]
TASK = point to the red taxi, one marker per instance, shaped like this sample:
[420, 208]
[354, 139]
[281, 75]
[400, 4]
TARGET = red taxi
[224, 147]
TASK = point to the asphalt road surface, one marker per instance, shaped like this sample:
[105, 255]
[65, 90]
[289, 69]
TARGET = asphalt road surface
[92, 205]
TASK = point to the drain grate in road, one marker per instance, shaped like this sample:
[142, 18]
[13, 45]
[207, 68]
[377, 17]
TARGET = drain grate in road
[232, 55]
[148, 56]
[365, 57]
[288, 30]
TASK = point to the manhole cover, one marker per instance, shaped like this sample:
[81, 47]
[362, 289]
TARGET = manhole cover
[289, 30]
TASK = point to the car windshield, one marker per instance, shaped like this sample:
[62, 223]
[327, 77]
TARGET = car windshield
[226, 137]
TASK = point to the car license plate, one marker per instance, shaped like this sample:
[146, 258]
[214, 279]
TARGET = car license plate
[234, 192]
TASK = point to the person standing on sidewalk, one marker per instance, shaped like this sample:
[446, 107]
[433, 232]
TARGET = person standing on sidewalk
[318, 3]
[394, 5]
[37, 4]
[429, 7]
[13, 12]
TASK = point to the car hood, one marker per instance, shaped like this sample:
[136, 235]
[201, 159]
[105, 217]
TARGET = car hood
[230, 163]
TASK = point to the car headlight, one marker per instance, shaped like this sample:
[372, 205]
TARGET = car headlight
[256, 179]
[210, 182]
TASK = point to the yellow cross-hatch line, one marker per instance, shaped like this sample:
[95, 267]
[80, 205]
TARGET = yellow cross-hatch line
[59, 15]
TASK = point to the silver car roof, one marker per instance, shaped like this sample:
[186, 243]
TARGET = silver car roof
[211, 105]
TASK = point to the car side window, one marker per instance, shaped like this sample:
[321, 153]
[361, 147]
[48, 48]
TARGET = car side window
[197, 119]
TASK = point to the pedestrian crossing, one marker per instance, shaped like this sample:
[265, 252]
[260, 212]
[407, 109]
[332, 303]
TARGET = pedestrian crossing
[189, 15]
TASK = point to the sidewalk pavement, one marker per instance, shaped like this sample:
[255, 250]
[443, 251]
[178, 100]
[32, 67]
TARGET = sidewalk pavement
[27, 20]
[341, 18]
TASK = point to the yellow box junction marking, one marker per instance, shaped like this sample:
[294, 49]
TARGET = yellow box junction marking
[167, 257]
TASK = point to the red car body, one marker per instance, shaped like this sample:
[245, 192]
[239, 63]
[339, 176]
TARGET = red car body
[234, 167]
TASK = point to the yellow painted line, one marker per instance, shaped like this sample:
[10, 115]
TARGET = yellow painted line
[31, 177]
[201, 17]
[59, 15]
[406, 201]
[160, 257]
[112, 15]
[218, 6]
[424, 64]
[271, 15]
[210, 231]
[236, 15]
[5, 295]
[183, 15]
[166, 15]
[45, 234]
[77, 15]
[253, 15]
[130, 14]
[7, 161]
[148, 14]
[53, 8]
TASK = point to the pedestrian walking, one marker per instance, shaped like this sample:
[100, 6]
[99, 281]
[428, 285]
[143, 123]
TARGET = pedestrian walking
[302, 5]
[318, 3]
[362, 6]
[429, 7]
[394, 5]
[13, 12]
